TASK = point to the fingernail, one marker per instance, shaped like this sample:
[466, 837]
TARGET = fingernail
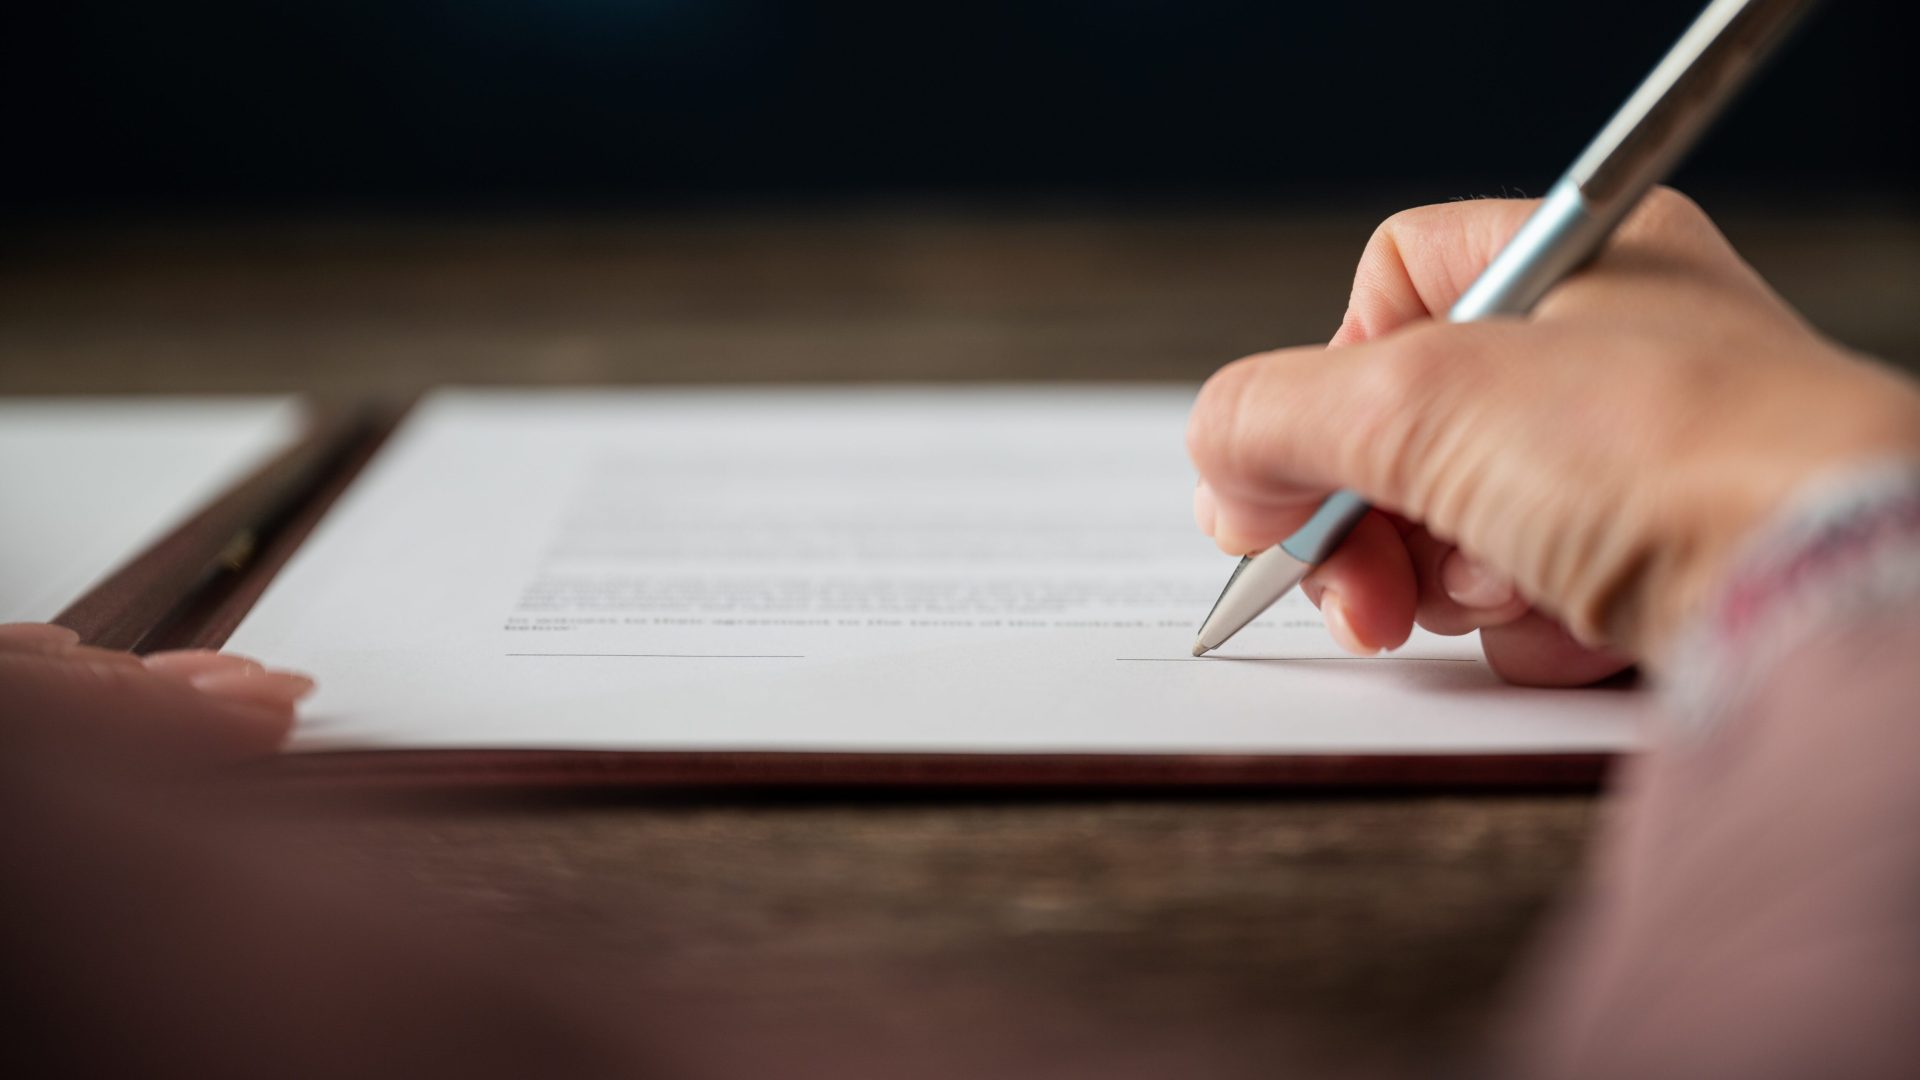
[264, 688]
[106, 659]
[192, 663]
[1312, 591]
[1340, 626]
[1472, 585]
[38, 635]
[1204, 507]
[1311, 587]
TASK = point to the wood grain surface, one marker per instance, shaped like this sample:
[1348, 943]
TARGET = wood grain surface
[1379, 924]
[350, 308]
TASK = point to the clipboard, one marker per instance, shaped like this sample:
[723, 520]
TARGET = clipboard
[193, 587]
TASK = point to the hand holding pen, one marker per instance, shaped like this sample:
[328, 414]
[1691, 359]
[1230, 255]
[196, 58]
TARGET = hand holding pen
[1600, 464]
[1593, 468]
[1512, 261]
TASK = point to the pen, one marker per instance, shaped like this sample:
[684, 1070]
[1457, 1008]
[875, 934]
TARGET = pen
[1658, 124]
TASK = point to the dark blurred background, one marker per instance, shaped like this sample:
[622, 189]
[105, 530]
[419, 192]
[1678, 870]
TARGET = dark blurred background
[244, 105]
[366, 198]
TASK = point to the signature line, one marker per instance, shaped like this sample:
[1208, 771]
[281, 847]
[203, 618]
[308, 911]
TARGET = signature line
[673, 655]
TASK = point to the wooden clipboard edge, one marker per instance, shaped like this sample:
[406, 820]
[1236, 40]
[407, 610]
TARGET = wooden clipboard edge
[213, 614]
[720, 770]
[152, 587]
[211, 619]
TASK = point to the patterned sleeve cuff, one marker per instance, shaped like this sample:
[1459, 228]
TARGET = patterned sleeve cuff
[1848, 547]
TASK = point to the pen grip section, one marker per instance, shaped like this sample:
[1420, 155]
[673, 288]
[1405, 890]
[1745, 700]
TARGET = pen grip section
[1313, 542]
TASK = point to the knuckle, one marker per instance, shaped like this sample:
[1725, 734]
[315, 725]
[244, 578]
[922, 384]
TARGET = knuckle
[1451, 221]
[1412, 225]
[1668, 233]
[1441, 247]
[1665, 214]
[1671, 204]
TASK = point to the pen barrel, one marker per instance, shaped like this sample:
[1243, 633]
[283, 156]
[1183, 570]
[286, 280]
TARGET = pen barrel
[1716, 56]
[1640, 145]
[1552, 243]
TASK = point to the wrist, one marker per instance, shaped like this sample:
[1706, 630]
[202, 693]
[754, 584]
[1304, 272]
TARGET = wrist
[1847, 546]
[1781, 450]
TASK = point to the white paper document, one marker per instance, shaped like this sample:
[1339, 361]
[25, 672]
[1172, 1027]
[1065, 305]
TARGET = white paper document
[86, 483]
[940, 570]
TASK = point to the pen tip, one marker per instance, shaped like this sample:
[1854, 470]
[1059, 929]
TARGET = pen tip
[1201, 650]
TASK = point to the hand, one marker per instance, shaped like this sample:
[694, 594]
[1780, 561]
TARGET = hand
[190, 707]
[1572, 485]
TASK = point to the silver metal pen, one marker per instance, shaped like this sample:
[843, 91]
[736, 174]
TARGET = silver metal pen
[1637, 148]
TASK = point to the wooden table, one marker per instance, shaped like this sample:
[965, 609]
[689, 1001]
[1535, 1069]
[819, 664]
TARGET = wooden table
[1376, 924]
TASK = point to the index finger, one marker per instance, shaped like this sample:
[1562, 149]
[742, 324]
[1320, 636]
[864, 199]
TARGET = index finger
[1419, 261]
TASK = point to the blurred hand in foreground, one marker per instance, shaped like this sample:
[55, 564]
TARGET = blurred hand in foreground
[1572, 485]
[188, 707]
